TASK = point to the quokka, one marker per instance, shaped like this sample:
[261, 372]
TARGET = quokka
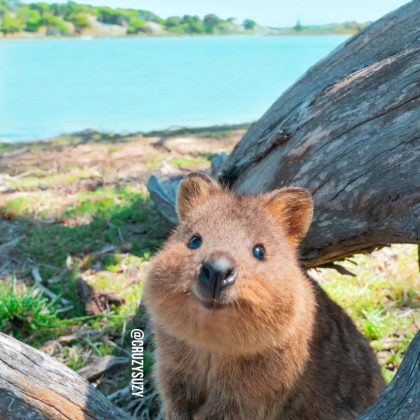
[241, 332]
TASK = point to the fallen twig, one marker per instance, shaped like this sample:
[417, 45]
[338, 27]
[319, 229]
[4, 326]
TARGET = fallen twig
[11, 244]
[120, 393]
[106, 250]
[40, 286]
[101, 365]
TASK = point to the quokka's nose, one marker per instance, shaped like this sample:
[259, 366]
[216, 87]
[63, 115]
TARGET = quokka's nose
[214, 276]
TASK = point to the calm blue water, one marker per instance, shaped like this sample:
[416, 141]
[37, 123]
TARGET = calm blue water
[48, 87]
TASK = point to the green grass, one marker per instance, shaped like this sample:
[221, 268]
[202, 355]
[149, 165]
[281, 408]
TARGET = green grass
[118, 218]
[39, 206]
[24, 311]
[43, 181]
[190, 163]
[121, 220]
[9, 147]
[382, 299]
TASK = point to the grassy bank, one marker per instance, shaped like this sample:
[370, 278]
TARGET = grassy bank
[77, 208]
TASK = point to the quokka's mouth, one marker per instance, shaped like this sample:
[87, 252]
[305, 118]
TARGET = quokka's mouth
[213, 304]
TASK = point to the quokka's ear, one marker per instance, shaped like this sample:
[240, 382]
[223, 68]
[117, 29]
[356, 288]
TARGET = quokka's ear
[293, 208]
[195, 189]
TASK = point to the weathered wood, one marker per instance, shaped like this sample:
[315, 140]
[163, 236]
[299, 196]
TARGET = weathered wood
[34, 386]
[401, 399]
[348, 131]
[163, 187]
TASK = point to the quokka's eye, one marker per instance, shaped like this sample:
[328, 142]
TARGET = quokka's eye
[258, 252]
[195, 242]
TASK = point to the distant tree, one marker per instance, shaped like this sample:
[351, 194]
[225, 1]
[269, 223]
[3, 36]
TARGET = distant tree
[136, 25]
[192, 24]
[115, 16]
[172, 22]
[54, 15]
[298, 27]
[9, 6]
[55, 25]
[4, 7]
[79, 20]
[189, 19]
[10, 25]
[148, 16]
[249, 24]
[42, 8]
[30, 18]
[69, 8]
[212, 23]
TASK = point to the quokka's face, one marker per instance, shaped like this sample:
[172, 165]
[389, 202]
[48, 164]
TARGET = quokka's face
[228, 279]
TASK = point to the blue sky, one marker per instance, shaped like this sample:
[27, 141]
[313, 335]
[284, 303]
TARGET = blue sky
[267, 12]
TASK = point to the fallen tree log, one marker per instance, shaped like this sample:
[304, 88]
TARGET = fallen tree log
[35, 386]
[349, 132]
[401, 399]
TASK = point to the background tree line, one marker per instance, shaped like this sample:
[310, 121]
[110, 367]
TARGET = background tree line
[61, 18]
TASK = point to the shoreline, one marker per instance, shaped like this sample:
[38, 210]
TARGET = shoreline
[95, 136]
[23, 37]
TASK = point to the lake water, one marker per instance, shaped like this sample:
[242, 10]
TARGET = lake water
[49, 87]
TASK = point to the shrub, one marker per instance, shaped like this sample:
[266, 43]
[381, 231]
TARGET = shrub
[79, 20]
[55, 25]
[249, 24]
[11, 25]
[136, 25]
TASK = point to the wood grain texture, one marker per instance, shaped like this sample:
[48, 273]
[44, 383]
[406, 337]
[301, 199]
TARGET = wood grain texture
[34, 386]
[349, 132]
[401, 400]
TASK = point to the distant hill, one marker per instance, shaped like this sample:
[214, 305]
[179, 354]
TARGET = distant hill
[74, 19]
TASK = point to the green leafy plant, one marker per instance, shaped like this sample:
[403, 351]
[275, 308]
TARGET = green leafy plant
[24, 311]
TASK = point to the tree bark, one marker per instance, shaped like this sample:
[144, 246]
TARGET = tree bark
[401, 399]
[348, 131]
[36, 387]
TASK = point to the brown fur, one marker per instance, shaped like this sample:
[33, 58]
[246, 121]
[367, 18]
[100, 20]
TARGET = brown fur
[279, 348]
